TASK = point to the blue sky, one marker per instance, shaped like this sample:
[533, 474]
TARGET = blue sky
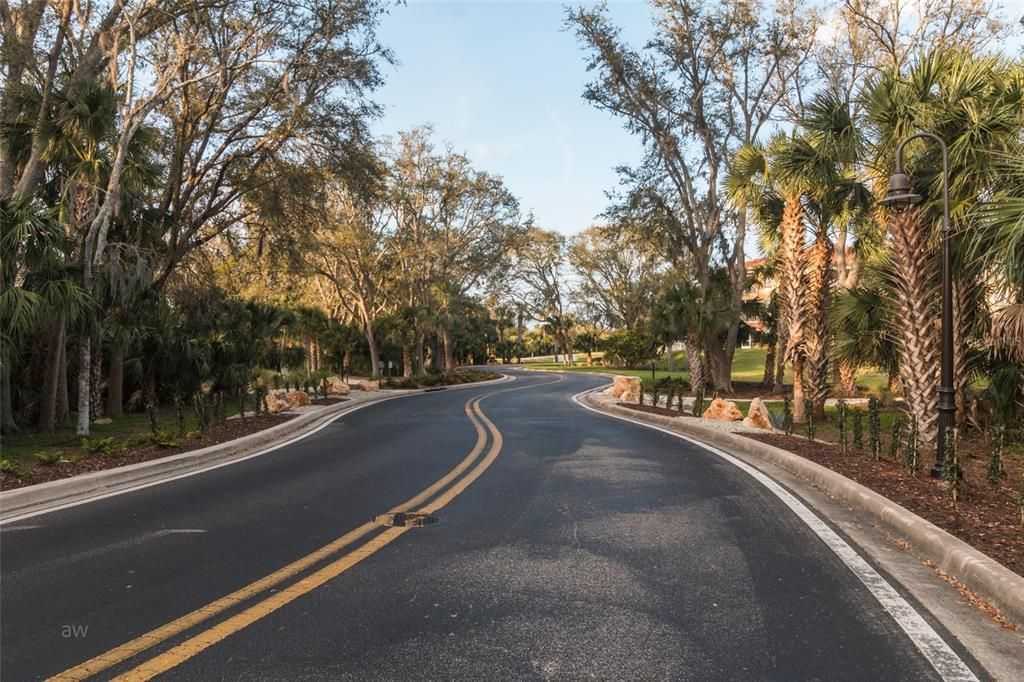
[503, 82]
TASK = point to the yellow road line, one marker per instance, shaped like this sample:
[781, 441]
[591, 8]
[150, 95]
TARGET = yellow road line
[203, 640]
[190, 647]
[153, 637]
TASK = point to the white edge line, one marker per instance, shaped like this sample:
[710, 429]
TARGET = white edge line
[939, 654]
[203, 469]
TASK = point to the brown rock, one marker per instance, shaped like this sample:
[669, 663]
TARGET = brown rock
[757, 416]
[368, 385]
[723, 410]
[277, 401]
[298, 398]
[629, 397]
[337, 386]
[623, 384]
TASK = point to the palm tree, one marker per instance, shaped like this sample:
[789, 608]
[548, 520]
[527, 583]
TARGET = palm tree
[975, 104]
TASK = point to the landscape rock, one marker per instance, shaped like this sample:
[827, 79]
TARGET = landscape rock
[622, 384]
[298, 398]
[723, 410]
[630, 397]
[337, 386]
[368, 385]
[103, 420]
[757, 416]
[277, 401]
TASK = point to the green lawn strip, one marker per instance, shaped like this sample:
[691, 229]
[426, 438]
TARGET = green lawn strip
[20, 447]
[747, 366]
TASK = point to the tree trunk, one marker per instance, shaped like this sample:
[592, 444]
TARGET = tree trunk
[769, 364]
[780, 368]
[7, 424]
[912, 288]
[721, 370]
[96, 381]
[698, 378]
[670, 357]
[51, 377]
[115, 383]
[63, 408]
[848, 377]
[799, 413]
[371, 339]
[418, 354]
[406, 360]
[449, 352]
[816, 339]
[84, 395]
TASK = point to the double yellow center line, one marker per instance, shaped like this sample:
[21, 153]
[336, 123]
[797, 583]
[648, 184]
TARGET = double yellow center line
[453, 483]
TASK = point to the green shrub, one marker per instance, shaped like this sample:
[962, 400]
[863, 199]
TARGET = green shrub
[49, 457]
[101, 446]
[10, 467]
[165, 439]
[809, 411]
[874, 426]
[912, 459]
[858, 429]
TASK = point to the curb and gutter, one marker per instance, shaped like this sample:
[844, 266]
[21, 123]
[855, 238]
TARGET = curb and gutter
[36, 499]
[980, 573]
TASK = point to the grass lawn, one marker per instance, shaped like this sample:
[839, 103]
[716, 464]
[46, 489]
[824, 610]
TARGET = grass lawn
[748, 366]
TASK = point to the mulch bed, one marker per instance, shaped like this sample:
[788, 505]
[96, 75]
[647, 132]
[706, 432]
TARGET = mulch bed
[327, 401]
[218, 433]
[986, 516]
[658, 410]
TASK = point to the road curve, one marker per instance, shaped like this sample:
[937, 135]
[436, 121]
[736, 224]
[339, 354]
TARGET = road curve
[568, 545]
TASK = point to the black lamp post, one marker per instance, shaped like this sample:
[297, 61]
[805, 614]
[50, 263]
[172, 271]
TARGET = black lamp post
[900, 195]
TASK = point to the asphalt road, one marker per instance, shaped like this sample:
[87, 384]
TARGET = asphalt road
[573, 546]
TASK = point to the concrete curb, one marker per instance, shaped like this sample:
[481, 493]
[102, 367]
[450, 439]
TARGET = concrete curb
[35, 499]
[988, 578]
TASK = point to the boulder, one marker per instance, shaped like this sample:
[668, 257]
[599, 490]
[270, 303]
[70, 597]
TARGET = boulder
[757, 416]
[337, 386]
[368, 385]
[723, 410]
[623, 384]
[609, 391]
[298, 398]
[629, 397]
[277, 401]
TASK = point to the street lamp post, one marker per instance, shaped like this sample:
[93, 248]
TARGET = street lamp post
[901, 195]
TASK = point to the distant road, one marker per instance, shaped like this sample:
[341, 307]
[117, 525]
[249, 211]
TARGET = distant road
[567, 545]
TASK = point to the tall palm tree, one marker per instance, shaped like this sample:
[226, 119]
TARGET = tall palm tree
[975, 104]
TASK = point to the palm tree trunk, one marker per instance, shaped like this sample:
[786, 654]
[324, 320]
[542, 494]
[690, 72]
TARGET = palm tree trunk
[669, 360]
[96, 381]
[51, 377]
[819, 285]
[84, 373]
[698, 377]
[848, 377]
[799, 411]
[7, 424]
[63, 414]
[115, 383]
[449, 352]
[769, 364]
[406, 360]
[779, 385]
[911, 281]
[791, 291]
